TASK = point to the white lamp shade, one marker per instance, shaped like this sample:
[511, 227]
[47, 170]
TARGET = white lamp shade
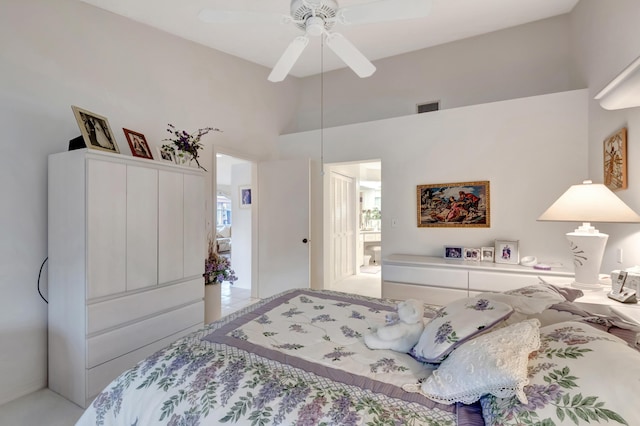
[589, 202]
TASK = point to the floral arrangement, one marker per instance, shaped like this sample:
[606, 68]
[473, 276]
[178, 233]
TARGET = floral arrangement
[217, 268]
[186, 143]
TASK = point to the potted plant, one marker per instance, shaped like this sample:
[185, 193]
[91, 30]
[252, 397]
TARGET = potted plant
[216, 270]
[185, 146]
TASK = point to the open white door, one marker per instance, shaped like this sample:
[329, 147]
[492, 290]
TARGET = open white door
[283, 226]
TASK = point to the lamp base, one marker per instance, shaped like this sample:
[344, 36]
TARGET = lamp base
[587, 286]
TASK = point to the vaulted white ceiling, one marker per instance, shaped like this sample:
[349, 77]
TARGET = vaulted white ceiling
[263, 43]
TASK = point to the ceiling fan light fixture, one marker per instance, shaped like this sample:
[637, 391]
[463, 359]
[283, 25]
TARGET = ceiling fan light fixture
[314, 26]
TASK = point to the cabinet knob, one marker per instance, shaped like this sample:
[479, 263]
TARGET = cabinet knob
[305, 241]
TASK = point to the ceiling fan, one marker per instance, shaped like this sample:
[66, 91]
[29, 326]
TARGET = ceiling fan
[317, 18]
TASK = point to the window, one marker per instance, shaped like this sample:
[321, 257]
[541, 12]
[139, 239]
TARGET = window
[223, 210]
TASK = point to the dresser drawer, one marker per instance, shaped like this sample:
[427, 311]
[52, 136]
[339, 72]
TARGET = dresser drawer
[101, 375]
[109, 345]
[433, 295]
[436, 277]
[491, 281]
[114, 312]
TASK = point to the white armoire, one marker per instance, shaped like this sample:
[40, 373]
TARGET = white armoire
[126, 258]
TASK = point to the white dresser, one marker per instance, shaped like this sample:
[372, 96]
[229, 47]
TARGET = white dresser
[126, 257]
[441, 281]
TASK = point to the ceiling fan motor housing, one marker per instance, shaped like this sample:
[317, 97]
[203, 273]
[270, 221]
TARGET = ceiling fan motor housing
[302, 10]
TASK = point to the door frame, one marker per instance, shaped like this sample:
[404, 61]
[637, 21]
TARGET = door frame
[326, 215]
[211, 219]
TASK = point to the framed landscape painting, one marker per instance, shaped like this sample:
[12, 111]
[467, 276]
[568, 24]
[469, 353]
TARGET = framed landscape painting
[463, 204]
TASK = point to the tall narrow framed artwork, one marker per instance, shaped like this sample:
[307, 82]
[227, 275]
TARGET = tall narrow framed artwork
[615, 160]
[462, 205]
[95, 130]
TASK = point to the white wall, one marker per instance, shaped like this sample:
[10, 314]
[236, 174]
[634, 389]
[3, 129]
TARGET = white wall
[522, 61]
[530, 149]
[62, 53]
[606, 38]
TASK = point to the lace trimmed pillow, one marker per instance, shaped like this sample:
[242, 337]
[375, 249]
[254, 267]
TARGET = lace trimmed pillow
[456, 323]
[494, 363]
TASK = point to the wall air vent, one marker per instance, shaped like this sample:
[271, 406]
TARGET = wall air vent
[428, 107]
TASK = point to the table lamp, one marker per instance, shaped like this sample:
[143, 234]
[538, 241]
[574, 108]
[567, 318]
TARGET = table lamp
[588, 203]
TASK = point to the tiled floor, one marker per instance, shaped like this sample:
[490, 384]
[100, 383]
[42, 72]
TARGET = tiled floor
[45, 407]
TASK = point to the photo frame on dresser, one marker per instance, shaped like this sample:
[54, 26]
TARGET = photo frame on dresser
[507, 251]
[486, 254]
[95, 130]
[472, 254]
[454, 205]
[453, 252]
[138, 144]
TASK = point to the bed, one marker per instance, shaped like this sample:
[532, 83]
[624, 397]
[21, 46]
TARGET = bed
[298, 358]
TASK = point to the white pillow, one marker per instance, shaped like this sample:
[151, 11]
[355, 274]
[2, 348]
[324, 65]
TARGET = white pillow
[578, 373]
[494, 363]
[456, 323]
[527, 300]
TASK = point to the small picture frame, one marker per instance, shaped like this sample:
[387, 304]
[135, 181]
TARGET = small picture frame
[245, 196]
[138, 144]
[507, 251]
[486, 254]
[164, 155]
[472, 254]
[95, 130]
[453, 252]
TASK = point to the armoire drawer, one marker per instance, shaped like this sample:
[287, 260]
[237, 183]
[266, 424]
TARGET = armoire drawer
[106, 346]
[121, 310]
[100, 376]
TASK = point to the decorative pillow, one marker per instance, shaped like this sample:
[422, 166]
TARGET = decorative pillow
[579, 376]
[494, 363]
[569, 293]
[456, 323]
[527, 300]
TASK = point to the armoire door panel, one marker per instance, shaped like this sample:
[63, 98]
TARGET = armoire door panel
[170, 226]
[106, 227]
[194, 226]
[142, 227]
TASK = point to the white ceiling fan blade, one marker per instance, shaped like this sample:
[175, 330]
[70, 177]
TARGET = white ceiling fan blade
[288, 58]
[350, 55]
[213, 16]
[384, 10]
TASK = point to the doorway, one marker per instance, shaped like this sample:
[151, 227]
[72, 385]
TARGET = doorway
[353, 231]
[233, 230]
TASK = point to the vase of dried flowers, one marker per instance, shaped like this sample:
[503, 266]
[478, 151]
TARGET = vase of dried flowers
[185, 146]
[216, 270]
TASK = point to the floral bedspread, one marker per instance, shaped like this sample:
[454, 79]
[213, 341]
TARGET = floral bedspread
[297, 358]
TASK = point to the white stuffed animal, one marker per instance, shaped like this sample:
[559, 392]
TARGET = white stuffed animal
[401, 333]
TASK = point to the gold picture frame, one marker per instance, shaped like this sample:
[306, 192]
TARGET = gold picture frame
[95, 130]
[615, 160]
[459, 205]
